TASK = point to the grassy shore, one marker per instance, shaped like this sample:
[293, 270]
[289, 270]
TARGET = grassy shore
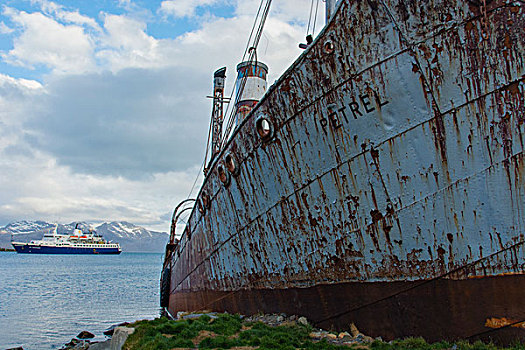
[225, 331]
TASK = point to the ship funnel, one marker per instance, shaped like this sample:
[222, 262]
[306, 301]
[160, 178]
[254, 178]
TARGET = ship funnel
[250, 87]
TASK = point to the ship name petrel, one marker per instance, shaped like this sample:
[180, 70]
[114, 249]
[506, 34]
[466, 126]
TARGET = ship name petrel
[379, 181]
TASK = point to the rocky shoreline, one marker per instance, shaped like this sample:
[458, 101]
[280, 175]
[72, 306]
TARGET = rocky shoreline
[119, 333]
[210, 330]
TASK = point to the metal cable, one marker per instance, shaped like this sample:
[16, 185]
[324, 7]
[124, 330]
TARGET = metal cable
[207, 147]
[231, 118]
[310, 17]
[315, 17]
[228, 107]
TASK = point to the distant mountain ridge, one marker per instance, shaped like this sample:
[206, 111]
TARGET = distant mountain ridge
[132, 238]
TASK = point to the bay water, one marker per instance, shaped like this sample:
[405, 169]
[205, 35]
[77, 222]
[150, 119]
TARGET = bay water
[45, 300]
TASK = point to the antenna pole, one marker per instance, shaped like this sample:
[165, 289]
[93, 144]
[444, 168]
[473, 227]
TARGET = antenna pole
[217, 114]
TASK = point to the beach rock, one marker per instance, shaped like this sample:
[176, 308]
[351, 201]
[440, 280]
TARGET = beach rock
[269, 319]
[111, 329]
[353, 330]
[343, 335]
[368, 339]
[302, 320]
[18, 348]
[316, 335]
[82, 346]
[103, 345]
[76, 344]
[361, 338]
[85, 335]
[119, 337]
[73, 342]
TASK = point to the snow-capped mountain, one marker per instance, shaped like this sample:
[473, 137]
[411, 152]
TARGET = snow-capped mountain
[124, 229]
[24, 227]
[131, 238]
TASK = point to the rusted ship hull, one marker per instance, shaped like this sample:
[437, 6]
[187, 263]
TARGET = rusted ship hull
[388, 190]
[436, 310]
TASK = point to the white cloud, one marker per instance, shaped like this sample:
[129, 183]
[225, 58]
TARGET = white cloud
[58, 12]
[183, 8]
[125, 44]
[46, 42]
[116, 131]
[36, 187]
[290, 11]
[14, 107]
[135, 123]
[25, 84]
[4, 29]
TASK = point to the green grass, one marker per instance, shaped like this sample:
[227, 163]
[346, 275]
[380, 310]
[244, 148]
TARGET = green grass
[421, 344]
[162, 333]
[227, 331]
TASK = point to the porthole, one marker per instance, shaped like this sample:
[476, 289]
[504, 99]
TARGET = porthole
[200, 206]
[206, 200]
[264, 127]
[231, 164]
[328, 47]
[224, 176]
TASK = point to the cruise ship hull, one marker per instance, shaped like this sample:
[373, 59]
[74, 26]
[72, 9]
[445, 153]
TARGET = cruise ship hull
[42, 249]
[389, 191]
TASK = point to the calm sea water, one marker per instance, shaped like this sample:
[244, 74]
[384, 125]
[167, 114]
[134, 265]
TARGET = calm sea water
[45, 300]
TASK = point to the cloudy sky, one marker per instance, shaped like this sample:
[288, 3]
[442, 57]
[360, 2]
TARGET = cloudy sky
[103, 109]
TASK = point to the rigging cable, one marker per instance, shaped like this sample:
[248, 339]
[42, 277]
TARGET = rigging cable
[251, 51]
[252, 54]
[207, 148]
[197, 178]
[315, 17]
[246, 50]
[242, 60]
[231, 95]
[251, 32]
[233, 90]
[231, 112]
[310, 17]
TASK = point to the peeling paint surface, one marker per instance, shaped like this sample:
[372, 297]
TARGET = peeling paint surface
[393, 180]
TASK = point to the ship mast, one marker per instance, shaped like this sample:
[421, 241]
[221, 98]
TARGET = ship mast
[217, 114]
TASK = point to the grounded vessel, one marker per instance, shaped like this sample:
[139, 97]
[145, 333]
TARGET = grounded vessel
[76, 243]
[379, 181]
